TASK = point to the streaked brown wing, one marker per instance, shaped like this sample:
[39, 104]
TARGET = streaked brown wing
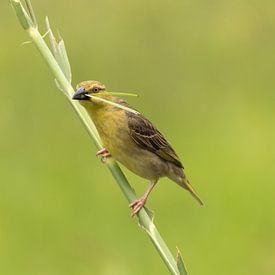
[148, 137]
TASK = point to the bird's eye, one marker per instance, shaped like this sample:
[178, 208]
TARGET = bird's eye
[95, 89]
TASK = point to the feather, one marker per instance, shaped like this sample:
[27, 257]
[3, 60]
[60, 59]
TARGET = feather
[144, 133]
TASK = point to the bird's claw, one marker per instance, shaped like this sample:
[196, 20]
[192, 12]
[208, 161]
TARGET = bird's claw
[104, 153]
[137, 205]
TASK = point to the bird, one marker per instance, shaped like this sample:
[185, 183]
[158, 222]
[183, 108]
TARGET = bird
[132, 140]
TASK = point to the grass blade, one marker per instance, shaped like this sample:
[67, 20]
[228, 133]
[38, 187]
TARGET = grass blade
[31, 12]
[180, 264]
[114, 104]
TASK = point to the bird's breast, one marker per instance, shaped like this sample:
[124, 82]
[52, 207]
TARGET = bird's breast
[113, 129]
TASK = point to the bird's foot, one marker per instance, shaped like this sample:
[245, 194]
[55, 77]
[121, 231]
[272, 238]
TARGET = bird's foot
[104, 153]
[137, 205]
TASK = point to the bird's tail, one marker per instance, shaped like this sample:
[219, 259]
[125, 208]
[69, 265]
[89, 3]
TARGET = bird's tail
[187, 185]
[177, 175]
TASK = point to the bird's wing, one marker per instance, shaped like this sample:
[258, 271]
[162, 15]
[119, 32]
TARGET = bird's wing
[148, 137]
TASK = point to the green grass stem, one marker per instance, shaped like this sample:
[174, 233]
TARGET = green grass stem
[58, 63]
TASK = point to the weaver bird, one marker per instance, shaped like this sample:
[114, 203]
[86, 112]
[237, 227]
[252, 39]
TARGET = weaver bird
[132, 140]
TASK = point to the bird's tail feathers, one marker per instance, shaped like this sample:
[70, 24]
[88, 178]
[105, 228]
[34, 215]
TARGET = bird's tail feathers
[184, 182]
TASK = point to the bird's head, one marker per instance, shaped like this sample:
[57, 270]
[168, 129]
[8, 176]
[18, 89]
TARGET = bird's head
[92, 95]
[85, 89]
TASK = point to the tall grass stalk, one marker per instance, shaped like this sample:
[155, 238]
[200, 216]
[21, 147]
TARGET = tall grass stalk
[58, 63]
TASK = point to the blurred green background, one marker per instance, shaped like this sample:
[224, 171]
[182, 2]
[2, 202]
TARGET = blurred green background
[204, 71]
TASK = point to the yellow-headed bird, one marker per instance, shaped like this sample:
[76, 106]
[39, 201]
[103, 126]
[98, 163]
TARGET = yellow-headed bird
[131, 139]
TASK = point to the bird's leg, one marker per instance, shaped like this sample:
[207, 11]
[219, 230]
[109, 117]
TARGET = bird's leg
[104, 153]
[138, 204]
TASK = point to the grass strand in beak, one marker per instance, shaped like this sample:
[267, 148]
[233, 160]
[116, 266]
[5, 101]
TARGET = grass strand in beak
[114, 104]
[122, 94]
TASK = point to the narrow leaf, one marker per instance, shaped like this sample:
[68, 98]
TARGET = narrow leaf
[180, 264]
[31, 12]
[114, 104]
[122, 94]
[60, 54]
[22, 15]
[63, 60]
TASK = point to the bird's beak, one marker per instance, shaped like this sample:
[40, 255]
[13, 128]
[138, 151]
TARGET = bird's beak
[81, 94]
